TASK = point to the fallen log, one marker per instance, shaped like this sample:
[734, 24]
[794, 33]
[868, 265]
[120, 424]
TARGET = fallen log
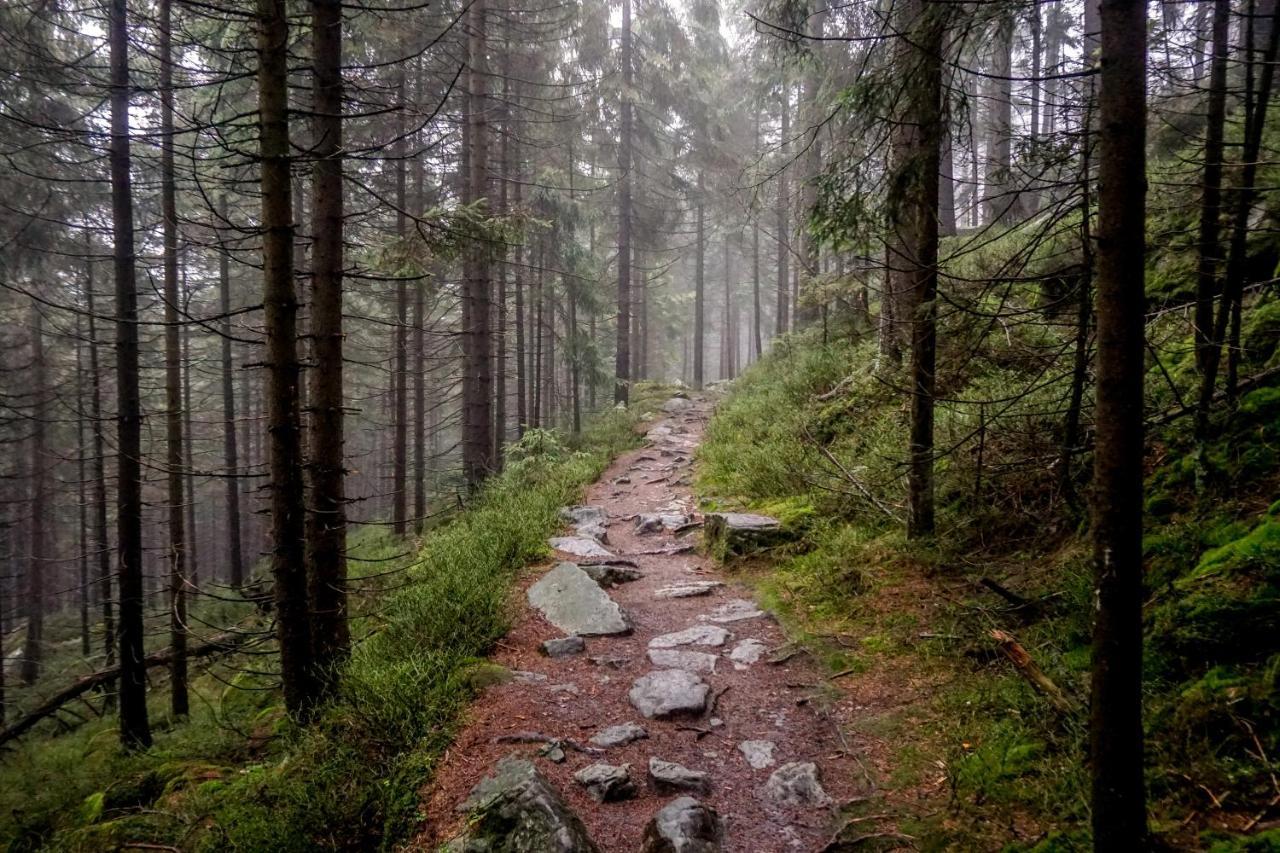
[225, 642]
[1031, 671]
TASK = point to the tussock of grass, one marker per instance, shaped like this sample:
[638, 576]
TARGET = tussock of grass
[239, 776]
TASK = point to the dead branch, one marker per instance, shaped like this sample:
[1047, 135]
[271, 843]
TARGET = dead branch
[1031, 671]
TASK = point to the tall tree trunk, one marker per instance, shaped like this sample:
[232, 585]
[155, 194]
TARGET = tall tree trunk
[1115, 717]
[101, 540]
[82, 520]
[477, 377]
[135, 730]
[326, 522]
[811, 85]
[230, 450]
[622, 356]
[699, 285]
[1001, 195]
[33, 646]
[756, 339]
[188, 459]
[177, 550]
[400, 449]
[501, 319]
[780, 320]
[522, 344]
[917, 225]
[280, 303]
[1210, 253]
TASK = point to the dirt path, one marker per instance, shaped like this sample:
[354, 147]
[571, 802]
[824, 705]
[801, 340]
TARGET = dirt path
[585, 693]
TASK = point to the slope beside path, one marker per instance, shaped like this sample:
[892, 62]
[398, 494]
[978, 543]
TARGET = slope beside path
[664, 700]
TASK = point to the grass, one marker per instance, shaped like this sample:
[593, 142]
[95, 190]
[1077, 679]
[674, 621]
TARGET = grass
[975, 757]
[238, 775]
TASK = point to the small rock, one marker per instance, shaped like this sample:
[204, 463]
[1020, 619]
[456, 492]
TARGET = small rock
[679, 659]
[716, 722]
[698, 635]
[564, 646]
[683, 826]
[610, 662]
[518, 806]
[667, 775]
[746, 652]
[619, 735]
[612, 574]
[606, 783]
[521, 676]
[570, 689]
[553, 752]
[734, 611]
[675, 520]
[677, 405]
[669, 692]
[579, 546]
[648, 523]
[574, 603]
[624, 480]
[597, 532]
[584, 514]
[687, 590]
[796, 784]
[759, 753]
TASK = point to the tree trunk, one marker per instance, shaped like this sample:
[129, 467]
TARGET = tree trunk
[477, 377]
[327, 518]
[699, 285]
[82, 520]
[1115, 717]
[780, 212]
[622, 357]
[33, 646]
[280, 303]
[1210, 253]
[102, 543]
[230, 450]
[1001, 195]
[135, 730]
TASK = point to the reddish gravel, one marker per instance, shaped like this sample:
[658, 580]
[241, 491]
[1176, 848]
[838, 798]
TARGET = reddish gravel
[780, 703]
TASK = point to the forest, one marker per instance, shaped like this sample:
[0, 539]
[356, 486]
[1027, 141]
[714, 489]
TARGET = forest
[639, 425]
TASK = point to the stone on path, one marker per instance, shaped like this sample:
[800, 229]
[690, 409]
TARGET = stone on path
[564, 646]
[648, 523]
[759, 753]
[677, 405]
[619, 735]
[612, 574]
[612, 662]
[683, 826]
[606, 783]
[738, 533]
[667, 775]
[690, 589]
[579, 546]
[734, 611]
[669, 692]
[516, 808]
[698, 635]
[679, 659]
[589, 521]
[574, 603]
[796, 784]
[747, 652]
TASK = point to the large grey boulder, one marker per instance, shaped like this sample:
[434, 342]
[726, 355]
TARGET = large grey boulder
[667, 775]
[698, 635]
[682, 659]
[574, 603]
[736, 533]
[669, 693]
[516, 810]
[796, 784]
[589, 521]
[579, 546]
[606, 783]
[683, 825]
[747, 652]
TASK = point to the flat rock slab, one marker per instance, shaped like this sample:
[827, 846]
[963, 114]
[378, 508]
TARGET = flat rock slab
[759, 753]
[517, 809]
[619, 735]
[677, 405]
[612, 574]
[569, 599]
[747, 652]
[796, 784]
[579, 546]
[588, 521]
[669, 693]
[667, 775]
[698, 635]
[691, 589]
[734, 611]
[683, 826]
[738, 533]
[606, 783]
[680, 659]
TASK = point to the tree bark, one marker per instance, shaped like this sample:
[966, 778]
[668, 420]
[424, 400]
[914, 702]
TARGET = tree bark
[280, 303]
[327, 517]
[102, 543]
[33, 645]
[699, 285]
[780, 319]
[230, 450]
[135, 730]
[1115, 720]
[622, 356]
[1210, 249]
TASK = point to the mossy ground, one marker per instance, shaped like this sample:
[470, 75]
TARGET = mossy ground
[238, 775]
[973, 757]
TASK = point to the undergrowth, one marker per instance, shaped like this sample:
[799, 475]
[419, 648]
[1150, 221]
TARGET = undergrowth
[237, 775]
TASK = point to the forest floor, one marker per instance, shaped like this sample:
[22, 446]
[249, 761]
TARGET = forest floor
[784, 698]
